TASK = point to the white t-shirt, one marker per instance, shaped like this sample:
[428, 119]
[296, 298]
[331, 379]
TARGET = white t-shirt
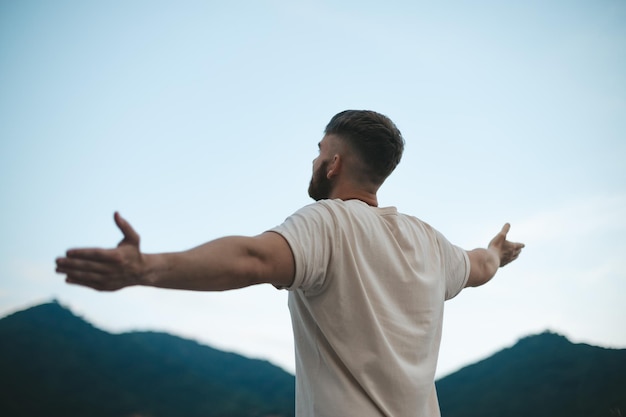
[367, 308]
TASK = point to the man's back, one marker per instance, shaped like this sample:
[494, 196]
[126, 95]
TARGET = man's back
[367, 308]
[368, 284]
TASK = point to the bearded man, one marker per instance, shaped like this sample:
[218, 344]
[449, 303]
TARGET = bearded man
[367, 284]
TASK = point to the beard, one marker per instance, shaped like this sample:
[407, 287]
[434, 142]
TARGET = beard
[320, 186]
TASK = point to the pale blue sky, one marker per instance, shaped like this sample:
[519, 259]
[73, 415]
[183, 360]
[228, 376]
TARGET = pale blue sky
[200, 119]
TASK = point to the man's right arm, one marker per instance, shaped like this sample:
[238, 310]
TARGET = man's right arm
[222, 264]
[484, 262]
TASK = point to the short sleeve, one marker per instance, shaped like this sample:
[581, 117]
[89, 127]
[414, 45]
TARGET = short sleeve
[456, 264]
[309, 234]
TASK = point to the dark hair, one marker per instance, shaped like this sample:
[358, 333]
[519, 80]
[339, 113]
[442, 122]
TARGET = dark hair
[374, 137]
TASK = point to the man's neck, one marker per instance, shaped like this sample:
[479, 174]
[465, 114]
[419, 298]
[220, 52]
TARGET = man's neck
[352, 194]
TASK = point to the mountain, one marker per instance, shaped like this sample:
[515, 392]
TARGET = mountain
[53, 363]
[542, 375]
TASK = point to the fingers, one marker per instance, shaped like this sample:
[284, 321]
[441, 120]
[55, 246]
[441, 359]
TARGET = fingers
[92, 280]
[89, 264]
[103, 269]
[514, 246]
[130, 235]
[508, 251]
[101, 276]
[512, 254]
[499, 239]
[94, 254]
[80, 272]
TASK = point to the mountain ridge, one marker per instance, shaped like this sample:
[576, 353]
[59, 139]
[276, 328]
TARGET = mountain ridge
[549, 375]
[55, 363]
[81, 370]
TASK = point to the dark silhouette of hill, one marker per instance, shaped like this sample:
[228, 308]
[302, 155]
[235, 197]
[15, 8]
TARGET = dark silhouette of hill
[53, 363]
[542, 375]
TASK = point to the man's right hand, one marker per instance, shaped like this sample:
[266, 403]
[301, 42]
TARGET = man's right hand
[105, 269]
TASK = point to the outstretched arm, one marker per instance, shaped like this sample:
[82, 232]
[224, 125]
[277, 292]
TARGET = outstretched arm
[484, 263]
[222, 264]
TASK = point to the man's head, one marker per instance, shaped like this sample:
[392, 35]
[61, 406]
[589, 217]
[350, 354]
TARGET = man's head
[369, 145]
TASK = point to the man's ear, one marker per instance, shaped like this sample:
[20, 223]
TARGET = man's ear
[334, 168]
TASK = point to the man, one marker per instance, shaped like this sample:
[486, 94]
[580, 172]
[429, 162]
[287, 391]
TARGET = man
[366, 284]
